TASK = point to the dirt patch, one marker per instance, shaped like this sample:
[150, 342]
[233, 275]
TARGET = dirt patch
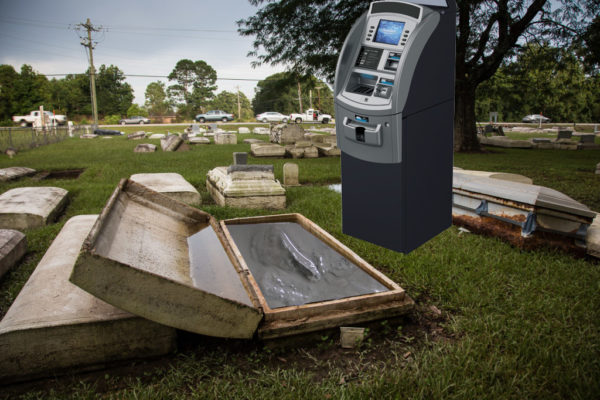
[60, 174]
[512, 234]
[392, 341]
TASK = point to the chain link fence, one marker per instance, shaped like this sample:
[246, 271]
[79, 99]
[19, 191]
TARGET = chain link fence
[22, 138]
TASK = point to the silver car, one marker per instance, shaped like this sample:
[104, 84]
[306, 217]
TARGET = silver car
[135, 120]
[535, 118]
[272, 116]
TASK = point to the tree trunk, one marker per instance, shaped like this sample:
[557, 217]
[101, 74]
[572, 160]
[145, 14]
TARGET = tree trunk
[465, 128]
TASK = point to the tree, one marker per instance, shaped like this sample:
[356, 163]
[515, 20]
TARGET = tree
[228, 101]
[541, 79]
[8, 77]
[194, 88]
[157, 102]
[291, 32]
[135, 110]
[114, 95]
[279, 92]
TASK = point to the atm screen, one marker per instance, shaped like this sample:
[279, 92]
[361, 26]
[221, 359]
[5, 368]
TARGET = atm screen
[389, 32]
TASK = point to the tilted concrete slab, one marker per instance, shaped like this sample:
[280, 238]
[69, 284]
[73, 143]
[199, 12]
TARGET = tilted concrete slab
[267, 150]
[54, 326]
[13, 245]
[137, 257]
[171, 184]
[506, 176]
[7, 174]
[31, 207]
[251, 189]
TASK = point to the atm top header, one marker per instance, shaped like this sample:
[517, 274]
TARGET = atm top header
[408, 9]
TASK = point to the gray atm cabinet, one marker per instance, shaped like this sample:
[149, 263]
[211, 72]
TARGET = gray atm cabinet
[394, 106]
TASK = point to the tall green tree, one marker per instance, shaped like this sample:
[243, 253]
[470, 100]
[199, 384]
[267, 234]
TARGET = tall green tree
[228, 101]
[8, 78]
[194, 87]
[157, 102]
[291, 32]
[279, 92]
[114, 95]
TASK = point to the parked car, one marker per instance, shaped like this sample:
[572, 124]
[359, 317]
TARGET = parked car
[311, 116]
[535, 118]
[54, 119]
[214, 115]
[272, 116]
[138, 119]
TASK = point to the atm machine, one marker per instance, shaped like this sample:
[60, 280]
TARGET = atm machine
[394, 111]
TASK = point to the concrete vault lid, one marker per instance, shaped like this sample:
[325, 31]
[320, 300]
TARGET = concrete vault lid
[165, 261]
[31, 207]
[539, 197]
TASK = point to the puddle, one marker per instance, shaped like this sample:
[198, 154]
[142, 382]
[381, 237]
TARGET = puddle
[61, 174]
[293, 267]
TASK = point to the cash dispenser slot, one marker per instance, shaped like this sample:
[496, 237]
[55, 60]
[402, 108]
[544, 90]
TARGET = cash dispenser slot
[392, 62]
[361, 83]
[361, 133]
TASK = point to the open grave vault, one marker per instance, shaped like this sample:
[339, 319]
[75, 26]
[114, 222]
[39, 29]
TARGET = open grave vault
[272, 276]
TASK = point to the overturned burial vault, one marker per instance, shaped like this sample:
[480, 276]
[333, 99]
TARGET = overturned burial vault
[272, 276]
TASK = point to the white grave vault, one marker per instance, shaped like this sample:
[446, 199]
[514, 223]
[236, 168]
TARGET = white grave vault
[269, 276]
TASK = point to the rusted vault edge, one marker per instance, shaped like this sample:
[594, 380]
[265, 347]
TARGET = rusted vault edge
[529, 226]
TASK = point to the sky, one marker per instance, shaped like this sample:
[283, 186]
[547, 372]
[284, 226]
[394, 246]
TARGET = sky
[139, 37]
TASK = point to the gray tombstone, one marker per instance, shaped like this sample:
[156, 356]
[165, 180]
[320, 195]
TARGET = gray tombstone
[564, 133]
[13, 246]
[195, 129]
[587, 138]
[240, 158]
[290, 174]
[212, 127]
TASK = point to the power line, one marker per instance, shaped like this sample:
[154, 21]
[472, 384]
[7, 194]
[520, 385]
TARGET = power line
[164, 76]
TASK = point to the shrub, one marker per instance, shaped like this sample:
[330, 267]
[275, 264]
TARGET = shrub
[112, 119]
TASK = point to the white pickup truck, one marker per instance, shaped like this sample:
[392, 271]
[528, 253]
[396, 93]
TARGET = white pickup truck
[25, 120]
[311, 116]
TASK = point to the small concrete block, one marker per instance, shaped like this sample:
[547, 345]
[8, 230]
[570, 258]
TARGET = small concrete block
[303, 143]
[170, 184]
[350, 337]
[145, 148]
[88, 136]
[157, 136]
[587, 138]
[13, 246]
[311, 152]
[240, 158]
[541, 140]
[171, 143]
[295, 152]
[225, 138]
[53, 326]
[290, 174]
[250, 172]
[243, 129]
[7, 174]
[31, 207]
[327, 150]
[199, 140]
[267, 150]
[136, 135]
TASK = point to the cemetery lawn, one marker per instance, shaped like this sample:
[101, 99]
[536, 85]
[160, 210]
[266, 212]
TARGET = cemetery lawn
[492, 321]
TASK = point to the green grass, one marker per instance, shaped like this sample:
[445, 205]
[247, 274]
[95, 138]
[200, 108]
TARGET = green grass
[514, 324]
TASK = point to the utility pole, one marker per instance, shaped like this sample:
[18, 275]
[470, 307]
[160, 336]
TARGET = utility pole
[239, 106]
[87, 42]
[300, 97]
[318, 88]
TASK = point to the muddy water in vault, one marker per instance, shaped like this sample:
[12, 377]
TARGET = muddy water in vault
[293, 267]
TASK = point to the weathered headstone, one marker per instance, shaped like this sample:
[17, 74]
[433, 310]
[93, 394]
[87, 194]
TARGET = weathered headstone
[53, 326]
[145, 148]
[213, 128]
[13, 246]
[267, 150]
[259, 130]
[157, 136]
[136, 135]
[290, 174]
[170, 184]
[10, 173]
[31, 207]
[598, 169]
[245, 186]
[592, 240]
[185, 136]
[240, 158]
[503, 141]
[286, 134]
[225, 138]
[328, 150]
[243, 129]
[170, 143]
[587, 138]
[199, 140]
[195, 129]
